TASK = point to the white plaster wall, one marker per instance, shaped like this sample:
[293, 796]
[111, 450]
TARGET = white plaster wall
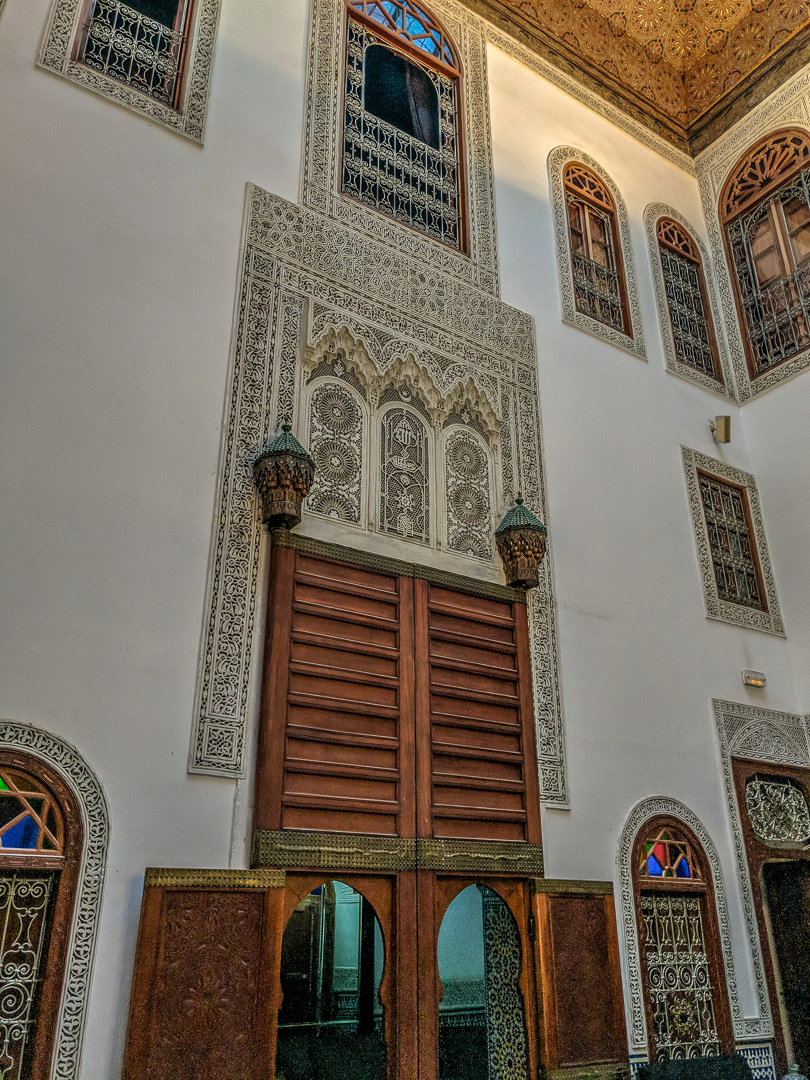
[118, 262]
[640, 660]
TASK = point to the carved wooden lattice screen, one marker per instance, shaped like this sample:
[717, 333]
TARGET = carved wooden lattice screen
[394, 706]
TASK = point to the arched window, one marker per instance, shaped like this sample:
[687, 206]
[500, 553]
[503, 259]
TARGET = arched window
[683, 976]
[336, 425]
[404, 475]
[596, 254]
[40, 843]
[687, 299]
[469, 515]
[401, 144]
[765, 211]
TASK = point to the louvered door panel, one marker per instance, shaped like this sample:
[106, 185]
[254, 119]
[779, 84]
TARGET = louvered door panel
[478, 746]
[349, 642]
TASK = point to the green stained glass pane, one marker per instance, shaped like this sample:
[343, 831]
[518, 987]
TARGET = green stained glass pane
[3, 785]
[36, 805]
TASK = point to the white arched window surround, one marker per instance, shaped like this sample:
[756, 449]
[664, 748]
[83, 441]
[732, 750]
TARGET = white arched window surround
[367, 419]
[652, 214]
[375, 490]
[558, 159]
[442, 486]
[643, 812]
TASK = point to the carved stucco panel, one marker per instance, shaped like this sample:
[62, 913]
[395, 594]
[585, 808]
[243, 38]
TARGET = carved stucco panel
[309, 285]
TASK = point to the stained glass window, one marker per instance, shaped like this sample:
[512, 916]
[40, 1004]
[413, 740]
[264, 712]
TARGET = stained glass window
[30, 820]
[400, 123]
[766, 208]
[685, 286]
[595, 259]
[730, 542]
[667, 854]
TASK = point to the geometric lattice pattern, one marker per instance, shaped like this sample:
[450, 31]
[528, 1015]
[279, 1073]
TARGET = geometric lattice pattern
[406, 21]
[507, 1057]
[23, 929]
[777, 810]
[469, 518]
[679, 982]
[688, 316]
[336, 445]
[735, 569]
[140, 52]
[30, 820]
[391, 170]
[666, 853]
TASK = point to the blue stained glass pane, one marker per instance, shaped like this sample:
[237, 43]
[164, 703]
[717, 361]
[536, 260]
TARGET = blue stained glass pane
[21, 835]
[393, 11]
[683, 869]
[413, 25]
[654, 867]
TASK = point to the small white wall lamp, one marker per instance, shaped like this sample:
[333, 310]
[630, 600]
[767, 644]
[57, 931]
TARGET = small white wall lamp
[721, 429]
[754, 678]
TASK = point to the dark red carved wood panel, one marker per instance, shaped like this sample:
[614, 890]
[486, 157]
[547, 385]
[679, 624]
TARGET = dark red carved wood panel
[341, 723]
[201, 989]
[581, 980]
[474, 681]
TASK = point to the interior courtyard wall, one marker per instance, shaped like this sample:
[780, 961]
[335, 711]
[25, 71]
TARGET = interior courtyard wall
[120, 250]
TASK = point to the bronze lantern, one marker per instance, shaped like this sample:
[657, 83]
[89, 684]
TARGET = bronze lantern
[283, 474]
[521, 542]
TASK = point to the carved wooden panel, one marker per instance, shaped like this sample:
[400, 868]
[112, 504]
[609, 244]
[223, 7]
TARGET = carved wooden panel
[202, 986]
[583, 1011]
[476, 749]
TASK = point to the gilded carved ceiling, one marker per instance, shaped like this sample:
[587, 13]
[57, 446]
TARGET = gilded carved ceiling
[688, 68]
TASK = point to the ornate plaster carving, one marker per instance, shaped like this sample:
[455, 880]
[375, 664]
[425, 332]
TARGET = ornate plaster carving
[320, 180]
[189, 120]
[771, 620]
[652, 214]
[790, 106]
[308, 283]
[641, 813]
[85, 786]
[557, 160]
[746, 731]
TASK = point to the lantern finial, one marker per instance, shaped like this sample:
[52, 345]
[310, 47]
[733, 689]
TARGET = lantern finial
[521, 543]
[283, 473]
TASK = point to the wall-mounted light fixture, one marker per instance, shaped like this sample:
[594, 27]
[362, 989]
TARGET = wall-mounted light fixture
[721, 429]
[754, 678]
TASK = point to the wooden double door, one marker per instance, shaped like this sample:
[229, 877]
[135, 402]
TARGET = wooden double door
[415, 975]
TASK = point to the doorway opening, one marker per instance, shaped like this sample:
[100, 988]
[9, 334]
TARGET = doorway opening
[787, 898]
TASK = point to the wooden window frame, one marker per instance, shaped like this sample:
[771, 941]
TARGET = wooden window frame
[731, 207]
[757, 853]
[752, 540]
[414, 54]
[703, 887]
[607, 210]
[693, 256]
[52, 971]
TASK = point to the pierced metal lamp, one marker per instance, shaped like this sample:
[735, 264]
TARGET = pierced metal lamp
[521, 543]
[283, 474]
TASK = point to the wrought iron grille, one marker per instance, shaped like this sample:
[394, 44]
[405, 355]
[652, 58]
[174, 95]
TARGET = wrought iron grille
[777, 810]
[391, 170]
[678, 977]
[597, 290]
[24, 900]
[140, 52]
[687, 313]
[735, 569]
[777, 314]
